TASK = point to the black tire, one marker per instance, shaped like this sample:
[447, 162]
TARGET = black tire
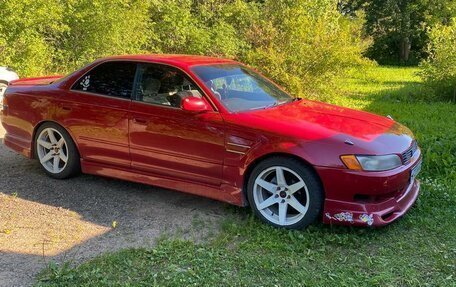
[73, 164]
[311, 180]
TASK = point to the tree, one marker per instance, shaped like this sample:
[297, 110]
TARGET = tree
[398, 27]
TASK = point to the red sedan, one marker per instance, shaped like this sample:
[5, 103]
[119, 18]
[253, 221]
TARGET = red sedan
[214, 127]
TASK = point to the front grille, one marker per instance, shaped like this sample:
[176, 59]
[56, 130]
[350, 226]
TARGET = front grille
[408, 154]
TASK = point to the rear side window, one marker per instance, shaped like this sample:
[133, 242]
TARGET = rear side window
[111, 79]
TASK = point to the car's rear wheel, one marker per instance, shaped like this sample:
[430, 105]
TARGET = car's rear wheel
[56, 151]
[285, 193]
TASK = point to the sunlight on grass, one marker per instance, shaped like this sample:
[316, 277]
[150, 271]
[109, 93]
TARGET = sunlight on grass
[371, 81]
[361, 87]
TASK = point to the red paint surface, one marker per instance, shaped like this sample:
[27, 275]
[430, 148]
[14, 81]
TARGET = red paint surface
[192, 151]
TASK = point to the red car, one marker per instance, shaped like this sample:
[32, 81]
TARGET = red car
[216, 128]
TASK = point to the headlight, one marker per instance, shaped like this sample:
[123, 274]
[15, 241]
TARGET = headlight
[371, 162]
[378, 163]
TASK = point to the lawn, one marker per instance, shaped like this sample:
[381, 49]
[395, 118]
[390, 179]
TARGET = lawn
[418, 250]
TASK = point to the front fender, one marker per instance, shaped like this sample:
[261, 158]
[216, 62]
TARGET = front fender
[238, 165]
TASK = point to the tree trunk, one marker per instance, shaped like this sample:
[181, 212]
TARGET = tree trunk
[454, 95]
[405, 47]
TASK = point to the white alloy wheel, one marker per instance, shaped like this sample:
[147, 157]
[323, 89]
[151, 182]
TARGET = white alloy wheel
[281, 196]
[52, 150]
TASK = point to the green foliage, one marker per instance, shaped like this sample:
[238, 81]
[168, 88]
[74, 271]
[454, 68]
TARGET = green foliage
[398, 27]
[28, 30]
[303, 45]
[197, 27]
[96, 28]
[418, 250]
[439, 70]
[46, 36]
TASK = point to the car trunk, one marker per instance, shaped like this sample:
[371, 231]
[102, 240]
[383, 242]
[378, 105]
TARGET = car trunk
[35, 81]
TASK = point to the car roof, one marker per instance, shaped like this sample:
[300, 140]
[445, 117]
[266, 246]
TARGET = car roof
[173, 59]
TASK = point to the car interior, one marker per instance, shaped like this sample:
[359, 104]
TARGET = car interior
[238, 92]
[165, 86]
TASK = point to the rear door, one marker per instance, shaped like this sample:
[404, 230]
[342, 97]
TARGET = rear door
[96, 109]
[168, 141]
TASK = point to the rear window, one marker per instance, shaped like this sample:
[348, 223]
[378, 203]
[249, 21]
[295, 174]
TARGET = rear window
[113, 79]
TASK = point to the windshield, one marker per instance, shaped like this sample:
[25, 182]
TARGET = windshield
[239, 88]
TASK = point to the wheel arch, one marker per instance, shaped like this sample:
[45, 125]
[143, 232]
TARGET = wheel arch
[40, 124]
[255, 162]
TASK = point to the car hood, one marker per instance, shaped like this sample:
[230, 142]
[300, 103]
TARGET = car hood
[317, 122]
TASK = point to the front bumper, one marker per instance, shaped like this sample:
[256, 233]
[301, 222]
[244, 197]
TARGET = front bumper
[371, 214]
[360, 198]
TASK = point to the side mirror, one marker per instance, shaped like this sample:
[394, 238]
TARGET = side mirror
[195, 104]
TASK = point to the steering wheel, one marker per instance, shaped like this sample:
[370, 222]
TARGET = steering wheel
[223, 92]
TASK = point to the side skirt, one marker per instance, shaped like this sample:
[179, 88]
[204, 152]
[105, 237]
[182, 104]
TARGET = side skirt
[224, 193]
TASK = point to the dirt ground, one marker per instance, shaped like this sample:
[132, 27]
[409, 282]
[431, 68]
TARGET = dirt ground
[44, 220]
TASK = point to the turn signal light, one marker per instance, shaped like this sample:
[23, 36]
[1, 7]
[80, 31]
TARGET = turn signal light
[351, 162]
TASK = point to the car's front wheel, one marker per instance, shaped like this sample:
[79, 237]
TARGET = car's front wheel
[286, 193]
[56, 151]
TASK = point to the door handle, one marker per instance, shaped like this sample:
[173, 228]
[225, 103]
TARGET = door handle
[140, 121]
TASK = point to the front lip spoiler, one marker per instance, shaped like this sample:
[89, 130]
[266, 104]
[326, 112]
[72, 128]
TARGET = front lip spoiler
[371, 214]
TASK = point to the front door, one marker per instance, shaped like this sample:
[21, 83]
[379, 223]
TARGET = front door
[170, 142]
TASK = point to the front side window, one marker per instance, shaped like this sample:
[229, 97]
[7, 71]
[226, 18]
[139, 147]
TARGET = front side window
[239, 88]
[163, 85]
[110, 79]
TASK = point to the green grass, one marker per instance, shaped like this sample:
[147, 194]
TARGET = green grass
[418, 250]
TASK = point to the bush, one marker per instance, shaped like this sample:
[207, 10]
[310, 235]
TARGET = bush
[28, 30]
[47, 36]
[197, 27]
[97, 28]
[304, 44]
[439, 70]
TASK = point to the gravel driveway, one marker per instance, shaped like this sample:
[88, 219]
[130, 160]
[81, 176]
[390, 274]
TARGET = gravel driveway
[43, 220]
